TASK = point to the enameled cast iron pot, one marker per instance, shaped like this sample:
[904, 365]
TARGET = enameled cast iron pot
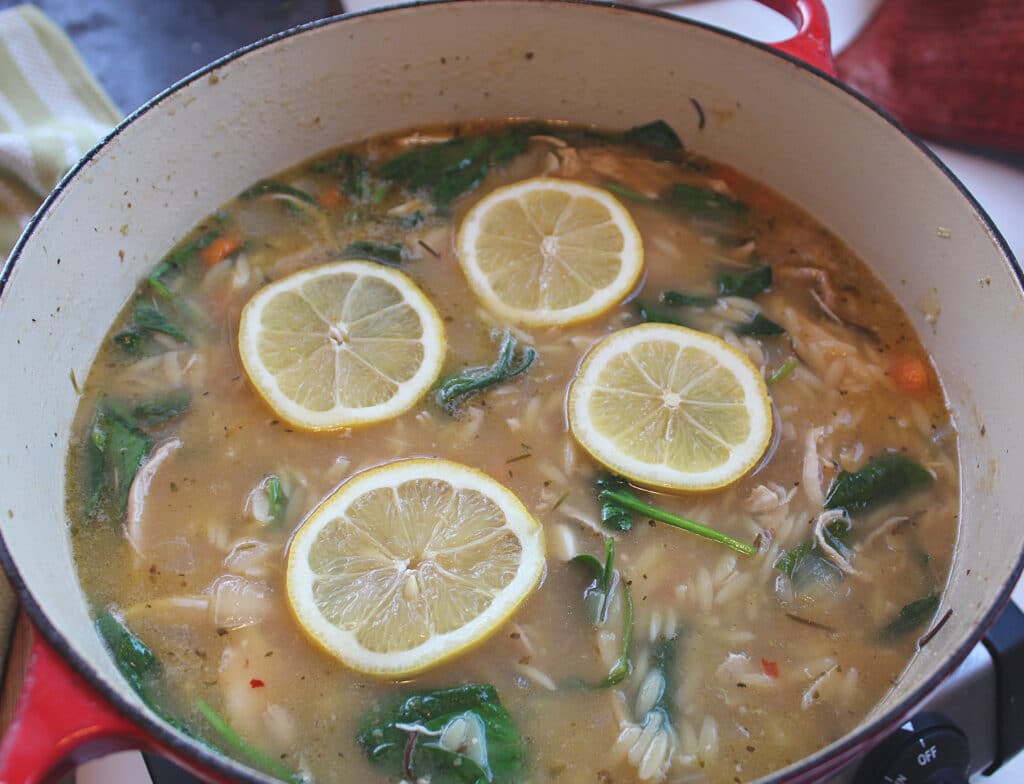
[290, 97]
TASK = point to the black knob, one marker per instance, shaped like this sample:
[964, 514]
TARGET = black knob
[928, 749]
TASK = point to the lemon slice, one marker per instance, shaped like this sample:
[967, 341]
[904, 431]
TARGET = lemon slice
[341, 344]
[547, 252]
[411, 563]
[671, 407]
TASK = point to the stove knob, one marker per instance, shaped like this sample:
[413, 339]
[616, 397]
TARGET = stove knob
[928, 749]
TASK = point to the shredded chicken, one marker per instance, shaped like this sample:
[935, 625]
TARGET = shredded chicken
[820, 279]
[740, 668]
[812, 691]
[411, 206]
[140, 489]
[554, 141]
[825, 308]
[824, 295]
[768, 497]
[810, 479]
[170, 610]
[641, 174]
[825, 519]
[885, 527]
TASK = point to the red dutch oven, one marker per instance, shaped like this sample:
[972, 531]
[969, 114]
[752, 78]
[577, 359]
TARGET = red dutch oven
[774, 112]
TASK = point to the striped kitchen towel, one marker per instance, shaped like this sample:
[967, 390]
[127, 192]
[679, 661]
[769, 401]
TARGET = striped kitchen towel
[51, 112]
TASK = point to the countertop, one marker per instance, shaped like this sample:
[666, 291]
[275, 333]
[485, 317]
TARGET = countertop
[138, 49]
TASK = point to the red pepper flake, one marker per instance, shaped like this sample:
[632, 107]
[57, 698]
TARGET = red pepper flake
[256, 683]
[771, 669]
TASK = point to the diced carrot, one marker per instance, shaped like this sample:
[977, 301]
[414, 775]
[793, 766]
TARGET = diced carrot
[739, 186]
[771, 669]
[726, 174]
[910, 375]
[220, 249]
[330, 198]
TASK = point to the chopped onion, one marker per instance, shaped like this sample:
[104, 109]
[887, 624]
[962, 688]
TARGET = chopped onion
[238, 602]
[249, 558]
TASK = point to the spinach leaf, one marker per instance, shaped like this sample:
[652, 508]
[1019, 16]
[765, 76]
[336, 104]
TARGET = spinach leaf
[624, 664]
[130, 341]
[449, 169]
[837, 534]
[94, 477]
[883, 479]
[136, 662]
[626, 500]
[746, 284]
[426, 165]
[391, 255]
[760, 325]
[657, 135]
[275, 188]
[704, 202]
[127, 447]
[657, 315]
[162, 409]
[236, 744]
[276, 498]
[132, 657]
[116, 445]
[412, 220]
[454, 390]
[175, 262]
[351, 172]
[678, 299]
[791, 558]
[116, 448]
[598, 594]
[406, 736]
[434, 762]
[910, 617]
[147, 319]
[597, 598]
[613, 516]
[628, 193]
[664, 652]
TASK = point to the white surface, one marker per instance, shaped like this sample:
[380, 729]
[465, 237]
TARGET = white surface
[998, 187]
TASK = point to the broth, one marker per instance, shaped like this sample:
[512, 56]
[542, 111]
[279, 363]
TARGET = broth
[766, 666]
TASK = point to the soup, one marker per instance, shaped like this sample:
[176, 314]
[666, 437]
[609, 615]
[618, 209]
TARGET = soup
[718, 655]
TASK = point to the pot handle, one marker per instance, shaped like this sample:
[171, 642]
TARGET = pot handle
[813, 40]
[60, 722]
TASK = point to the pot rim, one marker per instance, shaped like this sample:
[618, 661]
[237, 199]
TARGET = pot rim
[178, 743]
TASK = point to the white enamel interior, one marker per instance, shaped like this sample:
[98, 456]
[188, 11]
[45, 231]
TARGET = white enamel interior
[286, 101]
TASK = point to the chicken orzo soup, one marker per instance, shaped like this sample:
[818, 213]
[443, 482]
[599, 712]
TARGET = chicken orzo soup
[513, 452]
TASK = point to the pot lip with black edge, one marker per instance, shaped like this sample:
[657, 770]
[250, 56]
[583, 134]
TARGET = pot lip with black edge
[816, 763]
